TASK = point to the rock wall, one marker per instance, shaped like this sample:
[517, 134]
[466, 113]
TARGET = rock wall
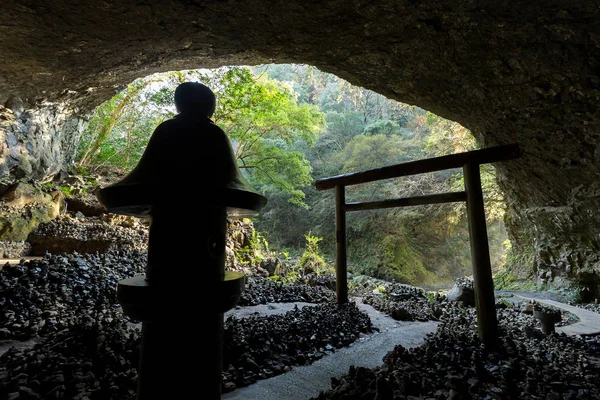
[23, 207]
[553, 194]
[36, 142]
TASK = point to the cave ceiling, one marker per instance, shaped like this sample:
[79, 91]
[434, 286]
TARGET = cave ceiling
[511, 71]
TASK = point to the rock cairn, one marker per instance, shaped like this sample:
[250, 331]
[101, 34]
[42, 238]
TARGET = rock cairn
[401, 302]
[452, 364]
[41, 297]
[260, 290]
[87, 349]
[68, 234]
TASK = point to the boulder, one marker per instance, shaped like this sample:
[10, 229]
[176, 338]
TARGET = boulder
[463, 291]
[21, 194]
[240, 233]
[23, 207]
[528, 308]
[230, 258]
[88, 205]
[272, 265]
[401, 314]
[548, 317]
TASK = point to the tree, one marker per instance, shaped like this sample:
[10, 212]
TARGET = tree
[117, 132]
[268, 128]
[382, 127]
[366, 152]
[265, 123]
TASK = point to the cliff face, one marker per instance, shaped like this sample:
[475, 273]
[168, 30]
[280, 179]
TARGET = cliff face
[37, 141]
[519, 71]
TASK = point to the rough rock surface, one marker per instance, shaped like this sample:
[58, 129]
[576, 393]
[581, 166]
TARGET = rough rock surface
[523, 72]
[463, 291]
[85, 235]
[36, 140]
[23, 207]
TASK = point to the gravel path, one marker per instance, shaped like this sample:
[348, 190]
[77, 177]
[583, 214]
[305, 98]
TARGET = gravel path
[529, 295]
[589, 322]
[308, 381]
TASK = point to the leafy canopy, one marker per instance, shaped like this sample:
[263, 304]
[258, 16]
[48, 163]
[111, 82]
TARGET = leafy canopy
[267, 127]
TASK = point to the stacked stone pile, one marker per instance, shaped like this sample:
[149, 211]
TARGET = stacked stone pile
[41, 297]
[452, 364]
[402, 302]
[66, 234]
[87, 348]
[260, 290]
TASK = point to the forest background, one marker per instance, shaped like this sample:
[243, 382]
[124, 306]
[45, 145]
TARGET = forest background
[293, 124]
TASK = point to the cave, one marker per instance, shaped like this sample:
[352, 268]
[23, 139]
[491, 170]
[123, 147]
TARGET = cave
[512, 72]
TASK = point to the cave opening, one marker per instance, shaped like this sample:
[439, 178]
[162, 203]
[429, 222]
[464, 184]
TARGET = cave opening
[292, 124]
[521, 73]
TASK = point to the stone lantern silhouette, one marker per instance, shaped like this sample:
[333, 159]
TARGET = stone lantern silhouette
[188, 183]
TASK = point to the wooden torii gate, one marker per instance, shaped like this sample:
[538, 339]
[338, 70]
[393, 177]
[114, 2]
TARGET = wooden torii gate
[470, 161]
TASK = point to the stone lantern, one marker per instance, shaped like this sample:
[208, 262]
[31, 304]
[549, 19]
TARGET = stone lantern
[188, 183]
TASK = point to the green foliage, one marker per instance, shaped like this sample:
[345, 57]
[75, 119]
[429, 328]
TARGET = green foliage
[403, 262]
[81, 170]
[312, 259]
[446, 136]
[290, 278]
[268, 128]
[367, 152]
[66, 190]
[291, 124]
[255, 251]
[119, 129]
[430, 296]
[380, 289]
[341, 128]
[424, 245]
[382, 127]
[505, 280]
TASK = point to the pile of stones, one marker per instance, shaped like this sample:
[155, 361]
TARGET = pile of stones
[97, 357]
[463, 290]
[452, 364]
[87, 349]
[259, 347]
[14, 249]
[66, 234]
[594, 307]
[261, 290]
[401, 302]
[409, 309]
[45, 296]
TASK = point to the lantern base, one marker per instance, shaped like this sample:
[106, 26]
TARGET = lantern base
[144, 301]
